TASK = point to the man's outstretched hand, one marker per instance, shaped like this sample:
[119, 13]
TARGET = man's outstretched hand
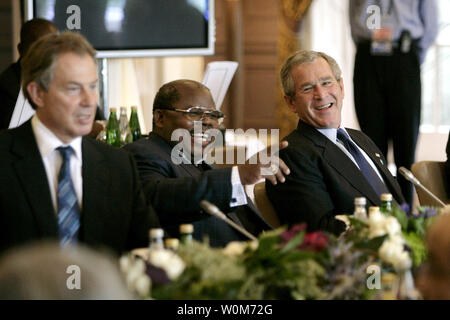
[264, 165]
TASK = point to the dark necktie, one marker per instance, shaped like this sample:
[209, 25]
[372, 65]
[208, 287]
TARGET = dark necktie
[68, 208]
[366, 169]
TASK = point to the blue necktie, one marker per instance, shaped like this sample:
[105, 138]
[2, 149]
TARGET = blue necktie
[366, 169]
[68, 208]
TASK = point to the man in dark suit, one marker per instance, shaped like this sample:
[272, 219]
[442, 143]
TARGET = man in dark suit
[330, 165]
[55, 183]
[175, 190]
[10, 78]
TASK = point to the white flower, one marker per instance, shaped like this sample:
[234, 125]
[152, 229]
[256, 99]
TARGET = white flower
[125, 263]
[168, 261]
[234, 248]
[373, 233]
[392, 226]
[392, 251]
[136, 269]
[143, 285]
[135, 277]
[403, 261]
[254, 245]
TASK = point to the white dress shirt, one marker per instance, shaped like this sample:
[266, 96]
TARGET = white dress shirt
[331, 134]
[47, 143]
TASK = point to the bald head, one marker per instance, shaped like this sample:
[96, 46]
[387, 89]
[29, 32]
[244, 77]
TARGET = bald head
[171, 92]
[32, 31]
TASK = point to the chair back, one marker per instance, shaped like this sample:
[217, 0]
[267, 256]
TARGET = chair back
[264, 205]
[432, 175]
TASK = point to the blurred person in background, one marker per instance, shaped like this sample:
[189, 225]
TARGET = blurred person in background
[434, 277]
[10, 78]
[392, 38]
[44, 271]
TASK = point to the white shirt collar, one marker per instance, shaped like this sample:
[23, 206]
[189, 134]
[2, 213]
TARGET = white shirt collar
[47, 141]
[331, 133]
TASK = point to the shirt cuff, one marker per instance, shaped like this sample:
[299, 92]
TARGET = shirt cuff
[238, 196]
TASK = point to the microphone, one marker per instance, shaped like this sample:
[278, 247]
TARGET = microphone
[214, 211]
[410, 177]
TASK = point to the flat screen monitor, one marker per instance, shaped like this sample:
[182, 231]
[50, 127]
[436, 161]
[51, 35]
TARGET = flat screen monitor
[134, 28]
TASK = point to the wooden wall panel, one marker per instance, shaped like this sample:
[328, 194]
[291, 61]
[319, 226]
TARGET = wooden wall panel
[260, 21]
[247, 32]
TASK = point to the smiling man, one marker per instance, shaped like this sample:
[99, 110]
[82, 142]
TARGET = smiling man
[330, 165]
[176, 189]
[56, 184]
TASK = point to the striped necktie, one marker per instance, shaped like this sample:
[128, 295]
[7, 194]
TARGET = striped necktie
[68, 208]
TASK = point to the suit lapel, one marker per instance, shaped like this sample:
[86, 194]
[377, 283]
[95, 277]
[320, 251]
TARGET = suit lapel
[379, 162]
[349, 171]
[167, 150]
[340, 162]
[95, 178]
[31, 173]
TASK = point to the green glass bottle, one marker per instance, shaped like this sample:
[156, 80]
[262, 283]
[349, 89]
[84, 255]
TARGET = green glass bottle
[135, 128]
[186, 231]
[386, 203]
[112, 129]
[125, 132]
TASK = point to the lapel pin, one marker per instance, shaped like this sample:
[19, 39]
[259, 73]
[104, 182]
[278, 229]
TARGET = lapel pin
[378, 156]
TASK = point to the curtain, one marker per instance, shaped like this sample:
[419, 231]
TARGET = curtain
[136, 81]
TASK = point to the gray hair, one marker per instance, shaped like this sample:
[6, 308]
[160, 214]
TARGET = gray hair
[301, 57]
[40, 60]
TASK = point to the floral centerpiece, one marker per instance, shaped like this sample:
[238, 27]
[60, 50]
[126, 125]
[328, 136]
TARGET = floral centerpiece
[290, 263]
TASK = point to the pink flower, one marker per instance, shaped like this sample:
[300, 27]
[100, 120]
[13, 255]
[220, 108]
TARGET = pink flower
[289, 234]
[314, 241]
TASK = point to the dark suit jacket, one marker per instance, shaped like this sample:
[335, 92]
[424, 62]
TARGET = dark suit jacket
[175, 192]
[114, 213]
[324, 181]
[9, 90]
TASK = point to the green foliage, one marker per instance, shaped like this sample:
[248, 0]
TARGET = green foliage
[280, 268]
[418, 248]
[401, 216]
[209, 274]
[414, 229]
[281, 272]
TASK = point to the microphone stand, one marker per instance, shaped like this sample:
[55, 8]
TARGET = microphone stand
[410, 177]
[214, 211]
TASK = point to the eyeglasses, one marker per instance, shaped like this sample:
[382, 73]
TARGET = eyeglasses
[197, 113]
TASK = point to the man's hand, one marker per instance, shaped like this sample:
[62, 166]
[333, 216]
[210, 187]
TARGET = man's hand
[264, 165]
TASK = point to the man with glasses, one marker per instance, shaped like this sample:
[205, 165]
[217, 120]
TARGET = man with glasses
[175, 190]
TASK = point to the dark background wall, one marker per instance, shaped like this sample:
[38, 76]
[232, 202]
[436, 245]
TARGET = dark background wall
[6, 53]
